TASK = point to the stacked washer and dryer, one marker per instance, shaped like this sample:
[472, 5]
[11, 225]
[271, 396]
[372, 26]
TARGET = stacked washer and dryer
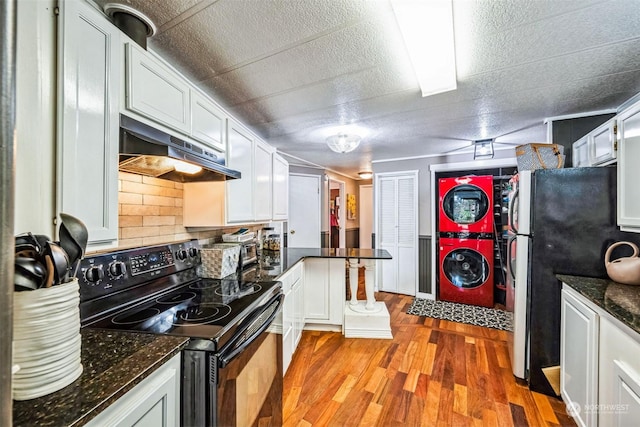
[466, 240]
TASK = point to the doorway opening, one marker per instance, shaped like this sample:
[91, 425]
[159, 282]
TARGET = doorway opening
[337, 202]
[498, 168]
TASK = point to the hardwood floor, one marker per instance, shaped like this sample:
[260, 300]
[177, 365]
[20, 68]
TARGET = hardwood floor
[432, 373]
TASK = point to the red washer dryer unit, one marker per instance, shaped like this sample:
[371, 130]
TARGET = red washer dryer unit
[466, 204]
[466, 271]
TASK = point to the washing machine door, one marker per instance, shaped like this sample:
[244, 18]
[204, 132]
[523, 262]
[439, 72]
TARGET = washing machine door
[466, 268]
[466, 204]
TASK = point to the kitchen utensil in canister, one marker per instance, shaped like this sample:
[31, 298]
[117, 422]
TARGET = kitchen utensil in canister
[73, 239]
[29, 274]
[625, 270]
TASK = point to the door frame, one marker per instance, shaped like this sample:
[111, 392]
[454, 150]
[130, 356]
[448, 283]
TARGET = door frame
[366, 209]
[342, 212]
[452, 167]
[319, 204]
[376, 188]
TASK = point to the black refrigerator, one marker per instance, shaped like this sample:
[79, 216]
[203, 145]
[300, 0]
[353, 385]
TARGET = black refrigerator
[565, 221]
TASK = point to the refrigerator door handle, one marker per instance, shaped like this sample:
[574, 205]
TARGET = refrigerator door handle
[511, 209]
[509, 257]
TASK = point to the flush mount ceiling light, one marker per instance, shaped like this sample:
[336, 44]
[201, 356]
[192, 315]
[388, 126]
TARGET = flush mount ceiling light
[483, 149]
[427, 31]
[365, 175]
[343, 143]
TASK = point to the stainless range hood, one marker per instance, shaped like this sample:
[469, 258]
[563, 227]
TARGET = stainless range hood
[145, 150]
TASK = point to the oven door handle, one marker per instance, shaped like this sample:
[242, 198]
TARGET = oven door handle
[240, 341]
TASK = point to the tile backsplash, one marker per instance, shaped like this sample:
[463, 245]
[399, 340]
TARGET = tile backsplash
[150, 212]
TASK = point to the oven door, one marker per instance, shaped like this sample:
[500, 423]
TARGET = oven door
[241, 384]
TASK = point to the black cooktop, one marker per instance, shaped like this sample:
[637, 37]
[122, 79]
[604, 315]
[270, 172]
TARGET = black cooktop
[204, 308]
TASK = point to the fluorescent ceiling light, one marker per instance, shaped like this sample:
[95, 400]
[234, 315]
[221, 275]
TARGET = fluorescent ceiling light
[365, 175]
[427, 30]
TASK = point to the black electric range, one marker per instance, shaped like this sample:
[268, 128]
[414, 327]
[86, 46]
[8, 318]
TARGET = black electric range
[157, 290]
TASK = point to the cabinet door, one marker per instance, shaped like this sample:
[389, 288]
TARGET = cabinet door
[298, 311]
[316, 289]
[207, 122]
[287, 330]
[619, 375]
[262, 176]
[604, 143]
[239, 192]
[155, 91]
[629, 169]
[280, 187]
[155, 402]
[581, 153]
[578, 358]
[88, 119]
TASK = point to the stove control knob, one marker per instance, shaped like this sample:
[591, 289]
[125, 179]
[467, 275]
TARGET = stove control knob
[181, 254]
[94, 274]
[116, 269]
[193, 252]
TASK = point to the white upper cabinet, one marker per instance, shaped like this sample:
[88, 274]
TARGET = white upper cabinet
[207, 122]
[629, 169]
[155, 91]
[239, 192]
[88, 120]
[597, 148]
[262, 176]
[604, 146]
[280, 188]
[581, 153]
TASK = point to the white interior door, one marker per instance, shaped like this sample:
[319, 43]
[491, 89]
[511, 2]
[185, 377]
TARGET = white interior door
[366, 215]
[397, 230]
[304, 211]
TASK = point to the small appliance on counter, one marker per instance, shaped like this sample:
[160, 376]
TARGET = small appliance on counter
[248, 245]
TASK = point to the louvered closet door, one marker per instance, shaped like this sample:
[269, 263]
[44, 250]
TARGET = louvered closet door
[396, 204]
[386, 205]
[407, 238]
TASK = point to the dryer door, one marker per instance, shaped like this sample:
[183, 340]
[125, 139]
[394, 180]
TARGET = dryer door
[466, 268]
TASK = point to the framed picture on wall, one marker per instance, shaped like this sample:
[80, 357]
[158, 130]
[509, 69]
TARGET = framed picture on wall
[351, 206]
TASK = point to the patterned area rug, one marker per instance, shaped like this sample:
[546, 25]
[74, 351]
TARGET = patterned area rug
[462, 313]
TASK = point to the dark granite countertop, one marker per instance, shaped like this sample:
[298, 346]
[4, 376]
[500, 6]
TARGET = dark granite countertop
[621, 301]
[273, 264]
[113, 363]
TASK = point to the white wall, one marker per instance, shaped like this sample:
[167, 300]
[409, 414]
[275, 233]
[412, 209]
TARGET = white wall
[424, 179]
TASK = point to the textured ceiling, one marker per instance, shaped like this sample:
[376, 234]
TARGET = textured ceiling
[294, 71]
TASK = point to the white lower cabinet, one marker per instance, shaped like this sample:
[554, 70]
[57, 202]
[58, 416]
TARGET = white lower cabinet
[324, 291]
[600, 364]
[155, 402]
[579, 358]
[619, 399]
[298, 309]
[291, 322]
